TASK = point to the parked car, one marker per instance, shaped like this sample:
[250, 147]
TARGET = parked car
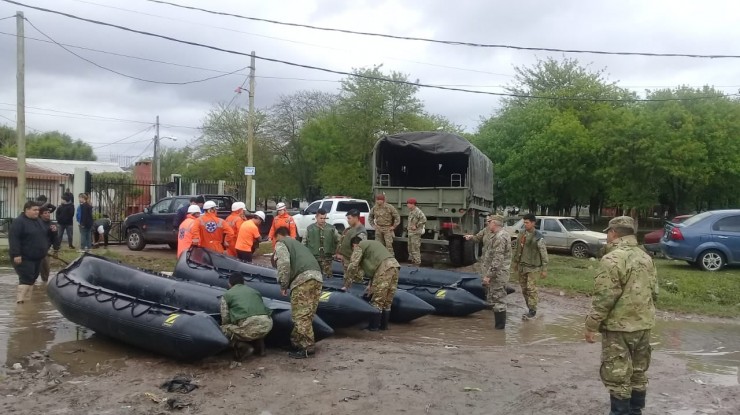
[564, 233]
[651, 241]
[336, 208]
[709, 240]
[155, 224]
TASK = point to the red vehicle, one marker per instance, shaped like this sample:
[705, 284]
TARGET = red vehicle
[652, 239]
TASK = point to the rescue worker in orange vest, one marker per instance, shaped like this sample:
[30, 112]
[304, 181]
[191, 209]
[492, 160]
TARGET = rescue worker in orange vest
[212, 230]
[282, 220]
[249, 236]
[234, 221]
[185, 235]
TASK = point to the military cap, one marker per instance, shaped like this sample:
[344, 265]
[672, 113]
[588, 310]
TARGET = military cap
[411, 200]
[495, 217]
[621, 222]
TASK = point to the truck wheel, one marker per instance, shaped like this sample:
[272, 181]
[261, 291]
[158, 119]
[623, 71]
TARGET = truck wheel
[456, 252]
[172, 245]
[470, 252]
[135, 240]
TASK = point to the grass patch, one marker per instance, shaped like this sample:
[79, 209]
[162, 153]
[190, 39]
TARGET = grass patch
[682, 288]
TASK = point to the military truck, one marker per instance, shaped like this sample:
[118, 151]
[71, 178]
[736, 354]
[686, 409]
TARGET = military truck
[452, 182]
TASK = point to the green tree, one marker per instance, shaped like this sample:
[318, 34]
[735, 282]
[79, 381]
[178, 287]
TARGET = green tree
[53, 145]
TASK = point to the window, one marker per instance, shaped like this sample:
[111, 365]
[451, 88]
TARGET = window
[572, 225]
[180, 202]
[327, 206]
[538, 224]
[163, 206]
[728, 224]
[552, 225]
[697, 218]
[349, 205]
[313, 208]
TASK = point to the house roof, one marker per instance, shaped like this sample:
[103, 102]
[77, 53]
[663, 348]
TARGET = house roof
[68, 166]
[9, 168]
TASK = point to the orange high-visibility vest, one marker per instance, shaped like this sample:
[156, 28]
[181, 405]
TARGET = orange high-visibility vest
[212, 230]
[248, 233]
[282, 221]
[185, 235]
[234, 221]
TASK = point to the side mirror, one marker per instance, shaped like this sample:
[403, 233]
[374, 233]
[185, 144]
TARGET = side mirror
[303, 211]
[146, 210]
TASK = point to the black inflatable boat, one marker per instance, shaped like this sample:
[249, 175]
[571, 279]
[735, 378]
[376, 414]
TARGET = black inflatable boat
[338, 309]
[432, 278]
[447, 301]
[171, 331]
[405, 308]
[186, 294]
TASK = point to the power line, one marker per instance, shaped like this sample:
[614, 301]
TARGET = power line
[145, 150]
[131, 76]
[125, 138]
[91, 116]
[5, 18]
[202, 24]
[357, 75]
[447, 42]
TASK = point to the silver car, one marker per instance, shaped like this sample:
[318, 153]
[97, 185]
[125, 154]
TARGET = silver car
[565, 234]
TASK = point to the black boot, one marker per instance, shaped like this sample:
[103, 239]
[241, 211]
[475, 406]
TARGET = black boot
[637, 403]
[619, 406]
[530, 315]
[298, 354]
[374, 323]
[385, 316]
[500, 320]
[259, 347]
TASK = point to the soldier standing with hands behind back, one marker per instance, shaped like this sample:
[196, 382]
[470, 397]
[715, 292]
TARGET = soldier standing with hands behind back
[494, 269]
[530, 259]
[623, 310]
[416, 222]
[385, 218]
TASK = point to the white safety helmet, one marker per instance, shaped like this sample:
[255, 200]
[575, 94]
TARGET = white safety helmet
[209, 205]
[238, 205]
[260, 214]
[193, 209]
[280, 206]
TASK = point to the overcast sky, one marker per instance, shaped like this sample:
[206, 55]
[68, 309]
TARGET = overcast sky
[59, 81]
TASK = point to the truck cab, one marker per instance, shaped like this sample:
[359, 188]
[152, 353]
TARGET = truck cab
[336, 208]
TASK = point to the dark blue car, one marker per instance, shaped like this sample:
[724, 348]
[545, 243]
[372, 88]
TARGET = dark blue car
[709, 240]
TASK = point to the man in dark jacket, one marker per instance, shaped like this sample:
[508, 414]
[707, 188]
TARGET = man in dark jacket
[66, 218]
[29, 244]
[45, 204]
[54, 241]
[182, 213]
[85, 219]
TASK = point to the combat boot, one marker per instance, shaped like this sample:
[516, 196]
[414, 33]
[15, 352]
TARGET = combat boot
[500, 320]
[385, 317]
[530, 315]
[619, 406]
[637, 403]
[298, 354]
[374, 323]
[242, 350]
[259, 347]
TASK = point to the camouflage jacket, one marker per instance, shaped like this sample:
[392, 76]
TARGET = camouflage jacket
[417, 219]
[625, 289]
[384, 216]
[496, 260]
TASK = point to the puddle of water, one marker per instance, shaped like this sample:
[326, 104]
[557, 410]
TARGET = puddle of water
[711, 350]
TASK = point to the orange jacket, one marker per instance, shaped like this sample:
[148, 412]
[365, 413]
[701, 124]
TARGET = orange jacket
[282, 221]
[234, 221]
[211, 231]
[185, 235]
[248, 233]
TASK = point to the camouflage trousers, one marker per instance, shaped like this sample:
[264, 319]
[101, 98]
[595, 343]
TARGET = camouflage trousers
[384, 235]
[325, 264]
[528, 282]
[496, 292]
[625, 357]
[304, 299]
[248, 329]
[415, 248]
[384, 285]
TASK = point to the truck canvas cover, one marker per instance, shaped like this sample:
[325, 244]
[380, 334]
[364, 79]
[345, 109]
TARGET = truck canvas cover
[428, 159]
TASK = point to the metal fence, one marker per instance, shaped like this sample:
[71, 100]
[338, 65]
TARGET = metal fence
[9, 197]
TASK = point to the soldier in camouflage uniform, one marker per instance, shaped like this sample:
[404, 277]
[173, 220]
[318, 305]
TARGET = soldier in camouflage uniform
[415, 229]
[530, 259]
[298, 271]
[623, 310]
[372, 259]
[244, 318]
[494, 269]
[344, 250]
[385, 218]
[323, 241]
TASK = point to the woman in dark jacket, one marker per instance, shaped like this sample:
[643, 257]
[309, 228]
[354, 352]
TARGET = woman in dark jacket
[85, 219]
[29, 244]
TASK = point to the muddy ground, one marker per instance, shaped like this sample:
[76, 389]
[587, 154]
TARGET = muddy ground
[435, 365]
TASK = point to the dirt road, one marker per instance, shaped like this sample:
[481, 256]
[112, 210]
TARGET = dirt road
[435, 365]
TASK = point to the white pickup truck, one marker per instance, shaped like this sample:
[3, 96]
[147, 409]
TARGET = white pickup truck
[336, 208]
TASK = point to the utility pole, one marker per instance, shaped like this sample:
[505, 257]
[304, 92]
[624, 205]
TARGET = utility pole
[155, 159]
[250, 132]
[21, 108]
